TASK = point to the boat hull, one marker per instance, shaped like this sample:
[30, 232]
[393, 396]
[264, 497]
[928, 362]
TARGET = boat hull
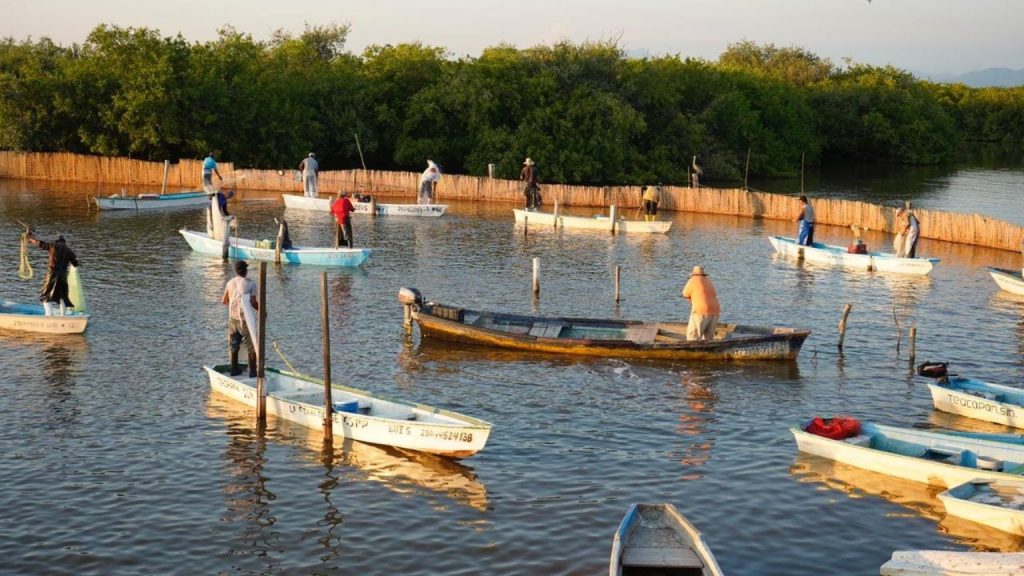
[945, 563]
[837, 256]
[165, 202]
[957, 400]
[546, 219]
[324, 205]
[244, 249]
[30, 318]
[912, 468]
[456, 441]
[1008, 280]
[958, 502]
[658, 537]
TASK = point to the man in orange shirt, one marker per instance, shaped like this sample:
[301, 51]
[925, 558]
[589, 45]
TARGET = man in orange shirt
[704, 308]
[342, 209]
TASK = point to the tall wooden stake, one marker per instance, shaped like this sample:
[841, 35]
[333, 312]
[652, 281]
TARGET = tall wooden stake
[613, 215]
[526, 225]
[261, 349]
[167, 166]
[536, 276]
[913, 343]
[277, 245]
[746, 171]
[555, 220]
[842, 325]
[618, 276]
[360, 148]
[328, 403]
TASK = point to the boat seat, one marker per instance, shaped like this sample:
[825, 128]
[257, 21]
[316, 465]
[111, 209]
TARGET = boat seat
[544, 330]
[674, 557]
[642, 334]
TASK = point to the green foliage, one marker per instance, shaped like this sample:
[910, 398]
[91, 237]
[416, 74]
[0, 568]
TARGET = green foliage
[584, 112]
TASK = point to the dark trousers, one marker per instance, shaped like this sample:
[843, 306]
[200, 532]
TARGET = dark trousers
[238, 334]
[532, 194]
[650, 208]
[344, 234]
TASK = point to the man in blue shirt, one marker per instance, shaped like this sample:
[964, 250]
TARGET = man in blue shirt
[209, 169]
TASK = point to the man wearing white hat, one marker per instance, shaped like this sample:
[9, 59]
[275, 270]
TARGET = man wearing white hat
[704, 307]
[310, 168]
[531, 184]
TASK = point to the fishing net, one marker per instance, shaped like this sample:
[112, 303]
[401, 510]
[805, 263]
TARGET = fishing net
[75, 293]
[24, 266]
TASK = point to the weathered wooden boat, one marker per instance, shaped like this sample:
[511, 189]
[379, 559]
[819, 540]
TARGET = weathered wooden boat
[1009, 280]
[657, 539]
[358, 415]
[945, 563]
[33, 318]
[542, 220]
[998, 504]
[839, 256]
[609, 338]
[928, 457]
[979, 400]
[324, 205]
[154, 201]
[245, 249]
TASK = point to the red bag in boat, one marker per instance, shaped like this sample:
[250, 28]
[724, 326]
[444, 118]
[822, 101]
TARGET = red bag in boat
[837, 428]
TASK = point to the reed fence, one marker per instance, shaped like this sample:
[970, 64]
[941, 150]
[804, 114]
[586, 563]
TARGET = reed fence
[970, 229]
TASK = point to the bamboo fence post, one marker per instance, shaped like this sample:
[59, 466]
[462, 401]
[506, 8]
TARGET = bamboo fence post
[536, 276]
[618, 276]
[842, 325]
[163, 187]
[325, 325]
[746, 171]
[261, 349]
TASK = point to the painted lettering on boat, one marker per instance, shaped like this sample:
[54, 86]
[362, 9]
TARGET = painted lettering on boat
[981, 405]
[399, 429]
[452, 435]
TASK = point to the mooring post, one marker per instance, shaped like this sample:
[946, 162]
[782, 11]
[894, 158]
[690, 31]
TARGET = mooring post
[555, 221]
[328, 403]
[261, 349]
[913, 343]
[167, 167]
[613, 215]
[277, 244]
[337, 235]
[525, 225]
[842, 325]
[373, 207]
[618, 275]
[536, 276]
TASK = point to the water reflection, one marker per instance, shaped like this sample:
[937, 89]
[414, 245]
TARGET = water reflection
[696, 414]
[919, 498]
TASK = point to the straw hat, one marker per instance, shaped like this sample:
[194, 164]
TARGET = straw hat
[528, 162]
[698, 271]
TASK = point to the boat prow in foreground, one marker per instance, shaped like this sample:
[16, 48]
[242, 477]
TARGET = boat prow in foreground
[33, 318]
[608, 338]
[945, 563]
[358, 415]
[543, 220]
[245, 249]
[999, 504]
[324, 205]
[840, 257]
[1008, 280]
[657, 539]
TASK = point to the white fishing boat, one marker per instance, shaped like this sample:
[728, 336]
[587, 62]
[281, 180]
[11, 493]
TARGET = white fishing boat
[1009, 280]
[153, 201]
[979, 400]
[247, 249]
[33, 318]
[324, 205]
[541, 220]
[358, 415]
[657, 539]
[945, 563]
[841, 257]
[926, 457]
[998, 504]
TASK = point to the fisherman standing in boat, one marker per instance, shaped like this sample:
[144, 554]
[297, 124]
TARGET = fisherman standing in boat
[910, 227]
[342, 209]
[310, 170]
[704, 307]
[531, 184]
[428, 183]
[55, 285]
[209, 169]
[237, 290]
[806, 220]
[652, 195]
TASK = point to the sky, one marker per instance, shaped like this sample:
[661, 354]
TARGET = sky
[923, 36]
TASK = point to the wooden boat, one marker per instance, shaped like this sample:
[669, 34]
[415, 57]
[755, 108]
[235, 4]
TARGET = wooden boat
[609, 338]
[945, 563]
[324, 205]
[32, 318]
[979, 400]
[839, 256]
[657, 539]
[358, 415]
[154, 201]
[245, 249]
[542, 220]
[998, 504]
[1009, 280]
[926, 457]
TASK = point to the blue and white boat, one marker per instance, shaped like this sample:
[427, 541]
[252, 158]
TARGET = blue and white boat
[1010, 280]
[245, 249]
[33, 318]
[998, 504]
[324, 205]
[839, 256]
[657, 539]
[154, 201]
[979, 400]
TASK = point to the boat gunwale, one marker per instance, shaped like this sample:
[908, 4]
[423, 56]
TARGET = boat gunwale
[249, 244]
[837, 249]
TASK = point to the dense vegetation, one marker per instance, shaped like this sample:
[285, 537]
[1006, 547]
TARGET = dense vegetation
[585, 112]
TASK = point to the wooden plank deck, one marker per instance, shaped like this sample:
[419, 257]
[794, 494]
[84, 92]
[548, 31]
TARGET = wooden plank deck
[674, 557]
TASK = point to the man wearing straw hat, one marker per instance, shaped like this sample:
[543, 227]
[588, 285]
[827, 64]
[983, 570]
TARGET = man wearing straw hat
[704, 307]
[531, 184]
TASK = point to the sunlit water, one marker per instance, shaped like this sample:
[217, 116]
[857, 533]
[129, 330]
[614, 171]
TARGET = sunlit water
[116, 459]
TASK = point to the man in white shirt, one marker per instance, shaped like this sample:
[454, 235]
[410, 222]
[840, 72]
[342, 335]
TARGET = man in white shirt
[310, 169]
[428, 183]
[239, 292]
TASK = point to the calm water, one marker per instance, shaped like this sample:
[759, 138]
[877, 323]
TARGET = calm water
[116, 459]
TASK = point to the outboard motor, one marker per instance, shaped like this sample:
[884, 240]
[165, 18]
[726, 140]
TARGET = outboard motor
[409, 297]
[935, 370]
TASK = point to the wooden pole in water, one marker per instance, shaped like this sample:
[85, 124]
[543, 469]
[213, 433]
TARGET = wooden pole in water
[373, 206]
[746, 171]
[613, 215]
[328, 402]
[277, 244]
[261, 349]
[555, 220]
[536, 276]
[618, 276]
[167, 167]
[913, 343]
[842, 325]
[525, 225]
